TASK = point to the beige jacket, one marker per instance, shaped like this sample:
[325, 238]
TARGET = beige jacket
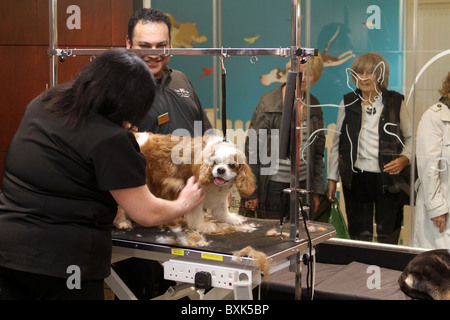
[433, 185]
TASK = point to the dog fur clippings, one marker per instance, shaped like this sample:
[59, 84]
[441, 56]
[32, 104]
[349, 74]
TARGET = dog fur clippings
[259, 258]
[178, 233]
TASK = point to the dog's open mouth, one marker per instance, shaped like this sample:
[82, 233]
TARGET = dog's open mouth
[219, 181]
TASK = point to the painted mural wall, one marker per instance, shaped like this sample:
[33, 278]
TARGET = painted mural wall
[339, 29]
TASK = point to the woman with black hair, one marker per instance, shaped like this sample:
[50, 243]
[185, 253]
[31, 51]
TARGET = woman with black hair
[69, 165]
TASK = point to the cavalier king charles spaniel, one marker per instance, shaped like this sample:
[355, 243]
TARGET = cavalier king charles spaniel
[216, 164]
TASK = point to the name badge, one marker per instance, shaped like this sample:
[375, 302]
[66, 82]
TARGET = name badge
[163, 118]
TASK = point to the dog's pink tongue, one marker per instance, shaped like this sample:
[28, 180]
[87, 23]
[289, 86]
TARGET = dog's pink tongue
[219, 181]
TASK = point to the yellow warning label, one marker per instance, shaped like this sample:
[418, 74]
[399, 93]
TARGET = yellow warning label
[211, 256]
[178, 252]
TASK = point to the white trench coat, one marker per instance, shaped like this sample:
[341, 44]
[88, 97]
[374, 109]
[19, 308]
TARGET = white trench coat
[433, 165]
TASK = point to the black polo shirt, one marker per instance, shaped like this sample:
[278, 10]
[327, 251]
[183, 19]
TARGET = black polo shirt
[55, 207]
[176, 106]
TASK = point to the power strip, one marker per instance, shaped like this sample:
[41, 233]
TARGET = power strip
[221, 277]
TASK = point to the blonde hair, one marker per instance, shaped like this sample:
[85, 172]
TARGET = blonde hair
[372, 62]
[445, 90]
[315, 64]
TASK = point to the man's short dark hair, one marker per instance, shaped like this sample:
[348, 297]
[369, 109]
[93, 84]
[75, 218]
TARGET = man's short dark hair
[147, 15]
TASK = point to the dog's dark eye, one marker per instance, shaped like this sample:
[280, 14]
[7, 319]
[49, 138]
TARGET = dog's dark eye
[215, 162]
[232, 166]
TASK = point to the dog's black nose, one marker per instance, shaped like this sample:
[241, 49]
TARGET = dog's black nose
[221, 170]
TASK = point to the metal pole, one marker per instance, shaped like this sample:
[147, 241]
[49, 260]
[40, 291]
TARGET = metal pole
[413, 151]
[295, 39]
[294, 207]
[282, 52]
[305, 131]
[215, 12]
[253, 52]
[53, 41]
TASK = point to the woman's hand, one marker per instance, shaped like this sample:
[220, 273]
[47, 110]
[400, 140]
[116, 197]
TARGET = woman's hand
[191, 196]
[440, 222]
[396, 166]
[128, 126]
[331, 190]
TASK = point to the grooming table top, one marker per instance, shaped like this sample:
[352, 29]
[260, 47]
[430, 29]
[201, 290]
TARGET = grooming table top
[222, 248]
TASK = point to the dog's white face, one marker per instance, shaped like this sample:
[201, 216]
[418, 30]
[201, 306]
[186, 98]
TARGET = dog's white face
[225, 164]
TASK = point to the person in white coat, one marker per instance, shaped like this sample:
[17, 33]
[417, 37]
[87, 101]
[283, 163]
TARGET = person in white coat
[432, 225]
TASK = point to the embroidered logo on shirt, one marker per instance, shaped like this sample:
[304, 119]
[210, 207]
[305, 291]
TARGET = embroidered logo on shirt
[183, 93]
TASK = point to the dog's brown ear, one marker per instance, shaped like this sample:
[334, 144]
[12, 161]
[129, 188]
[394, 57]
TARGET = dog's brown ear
[202, 172]
[245, 181]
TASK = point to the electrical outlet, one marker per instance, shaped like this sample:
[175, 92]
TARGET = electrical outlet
[221, 277]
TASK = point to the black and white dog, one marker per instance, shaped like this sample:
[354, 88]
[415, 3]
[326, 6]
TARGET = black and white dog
[427, 276]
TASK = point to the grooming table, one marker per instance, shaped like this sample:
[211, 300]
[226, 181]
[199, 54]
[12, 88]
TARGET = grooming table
[218, 261]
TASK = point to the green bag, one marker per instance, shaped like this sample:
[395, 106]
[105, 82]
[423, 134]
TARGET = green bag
[322, 214]
[337, 220]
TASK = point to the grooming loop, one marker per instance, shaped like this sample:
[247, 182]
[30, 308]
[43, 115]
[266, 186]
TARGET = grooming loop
[166, 52]
[253, 59]
[223, 57]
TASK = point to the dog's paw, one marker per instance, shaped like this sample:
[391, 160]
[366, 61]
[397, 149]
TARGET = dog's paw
[206, 227]
[123, 224]
[234, 219]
